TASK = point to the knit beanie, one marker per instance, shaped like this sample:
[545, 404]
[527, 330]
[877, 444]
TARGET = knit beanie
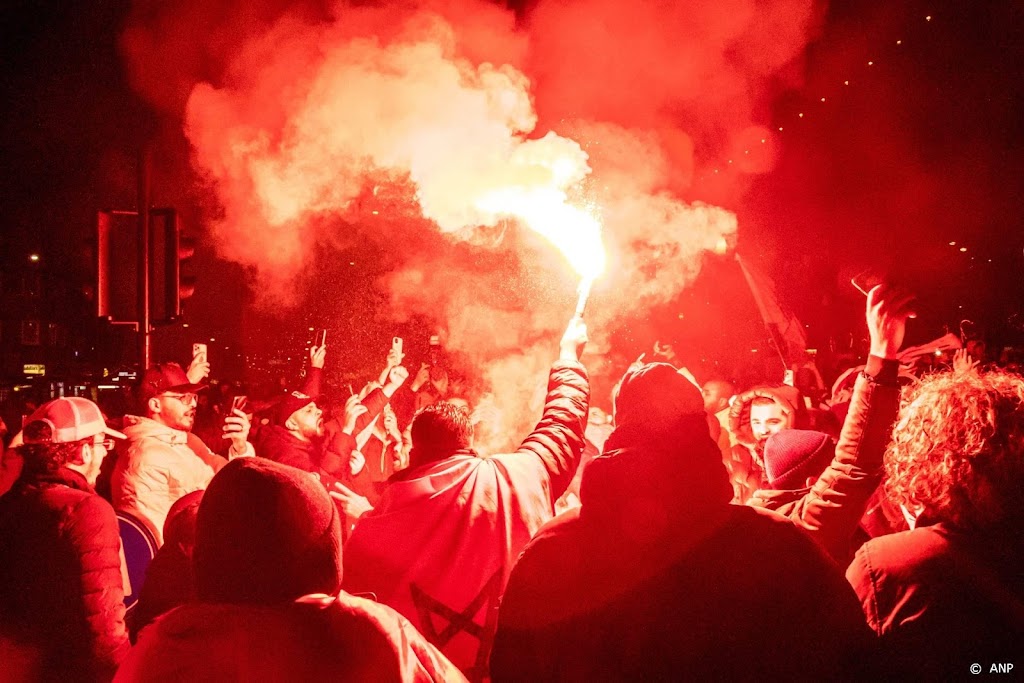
[655, 395]
[266, 534]
[794, 455]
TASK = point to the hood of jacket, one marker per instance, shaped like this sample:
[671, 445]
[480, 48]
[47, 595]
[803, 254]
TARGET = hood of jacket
[137, 427]
[786, 396]
[653, 482]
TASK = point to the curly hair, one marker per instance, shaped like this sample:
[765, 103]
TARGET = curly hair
[41, 455]
[957, 448]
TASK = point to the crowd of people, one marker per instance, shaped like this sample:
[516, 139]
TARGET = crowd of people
[701, 532]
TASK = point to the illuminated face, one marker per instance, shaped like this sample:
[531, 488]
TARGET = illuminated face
[177, 411]
[97, 450]
[766, 420]
[307, 423]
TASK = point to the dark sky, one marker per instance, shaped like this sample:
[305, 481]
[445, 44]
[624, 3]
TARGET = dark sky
[921, 149]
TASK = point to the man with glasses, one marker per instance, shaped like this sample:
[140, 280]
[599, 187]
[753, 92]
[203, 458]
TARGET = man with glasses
[163, 460]
[61, 596]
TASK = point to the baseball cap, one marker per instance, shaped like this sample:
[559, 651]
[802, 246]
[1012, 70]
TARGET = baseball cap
[166, 377]
[72, 419]
[287, 406]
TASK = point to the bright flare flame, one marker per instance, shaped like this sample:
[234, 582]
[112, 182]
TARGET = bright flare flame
[573, 231]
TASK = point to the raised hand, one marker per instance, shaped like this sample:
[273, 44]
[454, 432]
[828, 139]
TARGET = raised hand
[397, 376]
[236, 428]
[317, 356]
[353, 409]
[573, 340]
[198, 369]
[963, 363]
[888, 308]
[352, 504]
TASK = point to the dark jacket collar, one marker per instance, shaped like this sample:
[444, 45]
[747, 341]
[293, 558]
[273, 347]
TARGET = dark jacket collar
[61, 477]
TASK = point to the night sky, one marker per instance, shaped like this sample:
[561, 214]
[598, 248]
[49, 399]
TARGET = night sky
[921, 149]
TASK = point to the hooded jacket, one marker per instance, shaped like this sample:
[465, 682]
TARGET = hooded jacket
[439, 546]
[832, 507]
[657, 576]
[157, 466]
[61, 594]
[744, 464]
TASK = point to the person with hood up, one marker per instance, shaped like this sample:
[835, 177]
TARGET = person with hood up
[658, 577]
[825, 487]
[62, 614]
[439, 546]
[163, 460]
[269, 604]
[755, 415]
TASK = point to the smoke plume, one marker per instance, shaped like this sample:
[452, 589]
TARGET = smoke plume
[649, 116]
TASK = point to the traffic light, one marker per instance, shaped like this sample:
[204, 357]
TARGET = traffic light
[169, 250]
[118, 282]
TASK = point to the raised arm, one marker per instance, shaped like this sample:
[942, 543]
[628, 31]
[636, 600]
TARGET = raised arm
[557, 441]
[838, 499]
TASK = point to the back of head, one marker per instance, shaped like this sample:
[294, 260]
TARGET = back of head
[793, 456]
[660, 460]
[42, 454]
[958, 448]
[266, 534]
[438, 431]
[654, 396]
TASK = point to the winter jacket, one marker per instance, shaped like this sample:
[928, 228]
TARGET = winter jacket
[658, 577]
[316, 639]
[157, 466]
[61, 593]
[440, 545]
[942, 599]
[278, 444]
[831, 509]
[744, 464]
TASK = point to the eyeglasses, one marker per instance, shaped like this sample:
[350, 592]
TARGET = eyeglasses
[184, 398]
[106, 443]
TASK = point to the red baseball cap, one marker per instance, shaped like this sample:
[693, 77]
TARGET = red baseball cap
[72, 419]
[166, 377]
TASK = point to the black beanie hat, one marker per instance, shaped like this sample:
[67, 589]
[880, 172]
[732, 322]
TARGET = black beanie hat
[792, 456]
[267, 534]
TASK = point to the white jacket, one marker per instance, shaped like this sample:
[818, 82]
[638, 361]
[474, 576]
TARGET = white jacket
[157, 466]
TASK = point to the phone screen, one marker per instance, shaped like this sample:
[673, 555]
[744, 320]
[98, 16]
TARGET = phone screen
[238, 403]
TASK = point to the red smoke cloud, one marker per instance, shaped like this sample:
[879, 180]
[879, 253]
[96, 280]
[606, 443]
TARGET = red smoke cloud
[625, 108]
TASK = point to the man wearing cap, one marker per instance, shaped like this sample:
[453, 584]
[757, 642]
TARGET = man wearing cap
[163, 460]
[295, 435]
[61, 596]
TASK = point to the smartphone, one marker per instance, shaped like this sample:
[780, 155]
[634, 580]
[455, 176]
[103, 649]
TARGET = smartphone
[238, 403]
[199, 350]
[323, 336]
[396, 345]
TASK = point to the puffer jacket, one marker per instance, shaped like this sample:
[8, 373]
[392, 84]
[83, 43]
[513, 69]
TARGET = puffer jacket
[61, 592]
[832, 507]
[157, 466]
[658, 577]
[319, 638]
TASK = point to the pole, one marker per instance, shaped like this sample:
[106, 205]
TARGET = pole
[143, 272]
